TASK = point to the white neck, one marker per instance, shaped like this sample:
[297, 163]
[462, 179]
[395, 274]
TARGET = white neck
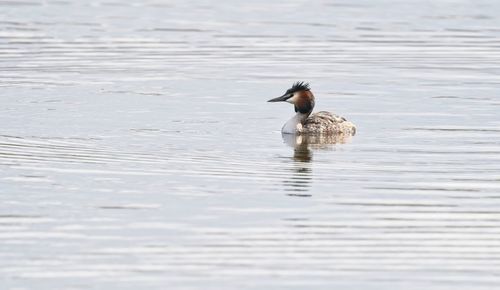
[294, 125]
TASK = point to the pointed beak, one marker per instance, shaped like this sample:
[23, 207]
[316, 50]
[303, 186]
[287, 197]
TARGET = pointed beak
[281, 99]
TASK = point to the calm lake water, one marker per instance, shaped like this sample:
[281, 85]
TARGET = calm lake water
[137, 150]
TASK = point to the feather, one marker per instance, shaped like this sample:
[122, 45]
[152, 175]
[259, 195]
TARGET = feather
[327, 123]
[298, 86]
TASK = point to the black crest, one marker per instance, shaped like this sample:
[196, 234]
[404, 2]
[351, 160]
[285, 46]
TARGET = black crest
[298, 86]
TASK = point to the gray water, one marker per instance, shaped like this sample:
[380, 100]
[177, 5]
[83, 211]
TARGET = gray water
[137, 150]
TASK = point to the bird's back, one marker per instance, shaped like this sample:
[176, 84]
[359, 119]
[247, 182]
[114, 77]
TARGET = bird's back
[327, 123]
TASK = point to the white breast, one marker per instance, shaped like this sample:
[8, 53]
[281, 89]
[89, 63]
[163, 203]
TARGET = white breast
[294, 125]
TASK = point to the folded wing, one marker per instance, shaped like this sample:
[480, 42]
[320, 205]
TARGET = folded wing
[327, 123]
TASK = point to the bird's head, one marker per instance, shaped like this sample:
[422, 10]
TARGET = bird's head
[300, 96]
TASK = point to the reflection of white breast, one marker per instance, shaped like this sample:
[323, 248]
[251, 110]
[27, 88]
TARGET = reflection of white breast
[314, 141]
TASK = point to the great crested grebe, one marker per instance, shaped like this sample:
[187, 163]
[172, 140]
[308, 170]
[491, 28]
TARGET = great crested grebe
[303, 122]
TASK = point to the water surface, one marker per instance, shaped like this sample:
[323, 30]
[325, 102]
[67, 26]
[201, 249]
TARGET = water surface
[137, 148]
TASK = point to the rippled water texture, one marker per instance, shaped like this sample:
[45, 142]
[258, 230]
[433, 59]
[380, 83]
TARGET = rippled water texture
[137, 150]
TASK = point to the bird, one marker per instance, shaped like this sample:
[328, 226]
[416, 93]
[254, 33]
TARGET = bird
[320, 123]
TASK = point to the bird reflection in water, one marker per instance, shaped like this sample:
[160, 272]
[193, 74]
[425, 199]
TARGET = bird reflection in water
[303, 146]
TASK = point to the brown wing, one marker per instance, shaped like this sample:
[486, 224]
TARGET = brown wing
[328, 123]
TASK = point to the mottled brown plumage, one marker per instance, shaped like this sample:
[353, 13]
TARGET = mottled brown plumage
[327, 123]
